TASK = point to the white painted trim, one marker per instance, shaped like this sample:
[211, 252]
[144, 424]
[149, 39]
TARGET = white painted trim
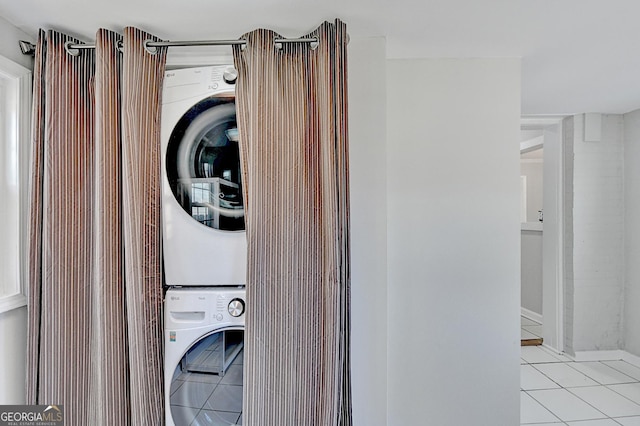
[14, 301]
[24, 108]
[531, 144]
[561, 256]
[10, 69]
[554, 351]
[523, 199]
[531, 315]
[531, 226]
[20, 121]
[538, 121]
[614, 355]
[556, 324]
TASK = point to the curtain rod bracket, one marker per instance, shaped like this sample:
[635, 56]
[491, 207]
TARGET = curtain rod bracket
[27, 48]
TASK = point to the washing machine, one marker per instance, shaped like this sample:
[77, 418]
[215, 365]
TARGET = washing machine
[202, 203]
[204, 341]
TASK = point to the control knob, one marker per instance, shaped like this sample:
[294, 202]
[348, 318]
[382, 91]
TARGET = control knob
[236, 307]
[230, 75]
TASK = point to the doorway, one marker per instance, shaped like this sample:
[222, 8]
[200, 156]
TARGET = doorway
[541, 149]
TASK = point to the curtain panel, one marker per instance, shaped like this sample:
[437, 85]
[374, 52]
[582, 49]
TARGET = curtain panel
[94, 325]
[108, 319]
[143, 75]
[292, 121]
[95, 253]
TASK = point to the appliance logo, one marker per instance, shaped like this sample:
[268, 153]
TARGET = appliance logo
[172, 336]
[31, 415]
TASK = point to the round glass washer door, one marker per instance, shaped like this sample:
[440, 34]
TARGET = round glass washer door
[203, 164]
[206, 388]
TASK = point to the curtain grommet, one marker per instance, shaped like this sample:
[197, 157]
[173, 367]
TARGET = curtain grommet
[69, 50]
[151, 49]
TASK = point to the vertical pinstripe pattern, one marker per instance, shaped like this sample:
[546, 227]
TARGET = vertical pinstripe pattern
[109, 381]
[35, 223]
[64, 368]
[141, 88]
[94, 344]
[292, 116]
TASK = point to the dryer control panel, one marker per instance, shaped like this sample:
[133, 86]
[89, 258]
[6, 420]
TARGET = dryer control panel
[192, 82]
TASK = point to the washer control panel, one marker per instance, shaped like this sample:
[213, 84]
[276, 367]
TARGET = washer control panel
[188, 307]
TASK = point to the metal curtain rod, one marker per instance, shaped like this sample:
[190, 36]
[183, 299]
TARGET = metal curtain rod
[28, 48]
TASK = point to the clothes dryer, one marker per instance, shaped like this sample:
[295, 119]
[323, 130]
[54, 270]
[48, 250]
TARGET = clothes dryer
[204, 341]
[202, 205]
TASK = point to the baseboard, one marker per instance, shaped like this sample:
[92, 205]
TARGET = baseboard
[554, 350]
[531, 315]
[631, 358]
[614, 355]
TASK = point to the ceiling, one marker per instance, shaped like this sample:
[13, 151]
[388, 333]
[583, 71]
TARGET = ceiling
[577, 55]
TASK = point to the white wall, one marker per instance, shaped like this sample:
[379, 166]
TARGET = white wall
[533, 170]
[598, 236]
[367, 132]
[531, 241]
[9, 37]
[453, 241]
[632, 232]
[13, 334]
[13, 324]
[531, 271]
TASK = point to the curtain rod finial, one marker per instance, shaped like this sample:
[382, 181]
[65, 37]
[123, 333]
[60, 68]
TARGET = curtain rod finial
[27, 48]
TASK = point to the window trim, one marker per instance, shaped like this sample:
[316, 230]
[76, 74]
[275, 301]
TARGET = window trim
[16, 296]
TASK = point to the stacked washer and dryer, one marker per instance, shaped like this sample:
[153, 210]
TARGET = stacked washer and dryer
[204, 247]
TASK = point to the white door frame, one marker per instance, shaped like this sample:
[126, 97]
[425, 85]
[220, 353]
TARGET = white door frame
[553, 281]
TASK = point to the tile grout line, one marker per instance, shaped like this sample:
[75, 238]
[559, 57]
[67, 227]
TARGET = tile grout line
[577, 396]
[582, 420]
[600, 385]
[543, 406]
[624, 396]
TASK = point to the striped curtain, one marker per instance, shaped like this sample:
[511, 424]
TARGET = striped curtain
[143, 74]
[94, 326]
[292, 119]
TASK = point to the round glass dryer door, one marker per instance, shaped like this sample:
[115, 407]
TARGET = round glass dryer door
[203, 165]
[206, 388]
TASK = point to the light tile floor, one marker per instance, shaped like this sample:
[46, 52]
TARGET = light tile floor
[208, 399]
[554, 391]
[558, 391]
[530, 329]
